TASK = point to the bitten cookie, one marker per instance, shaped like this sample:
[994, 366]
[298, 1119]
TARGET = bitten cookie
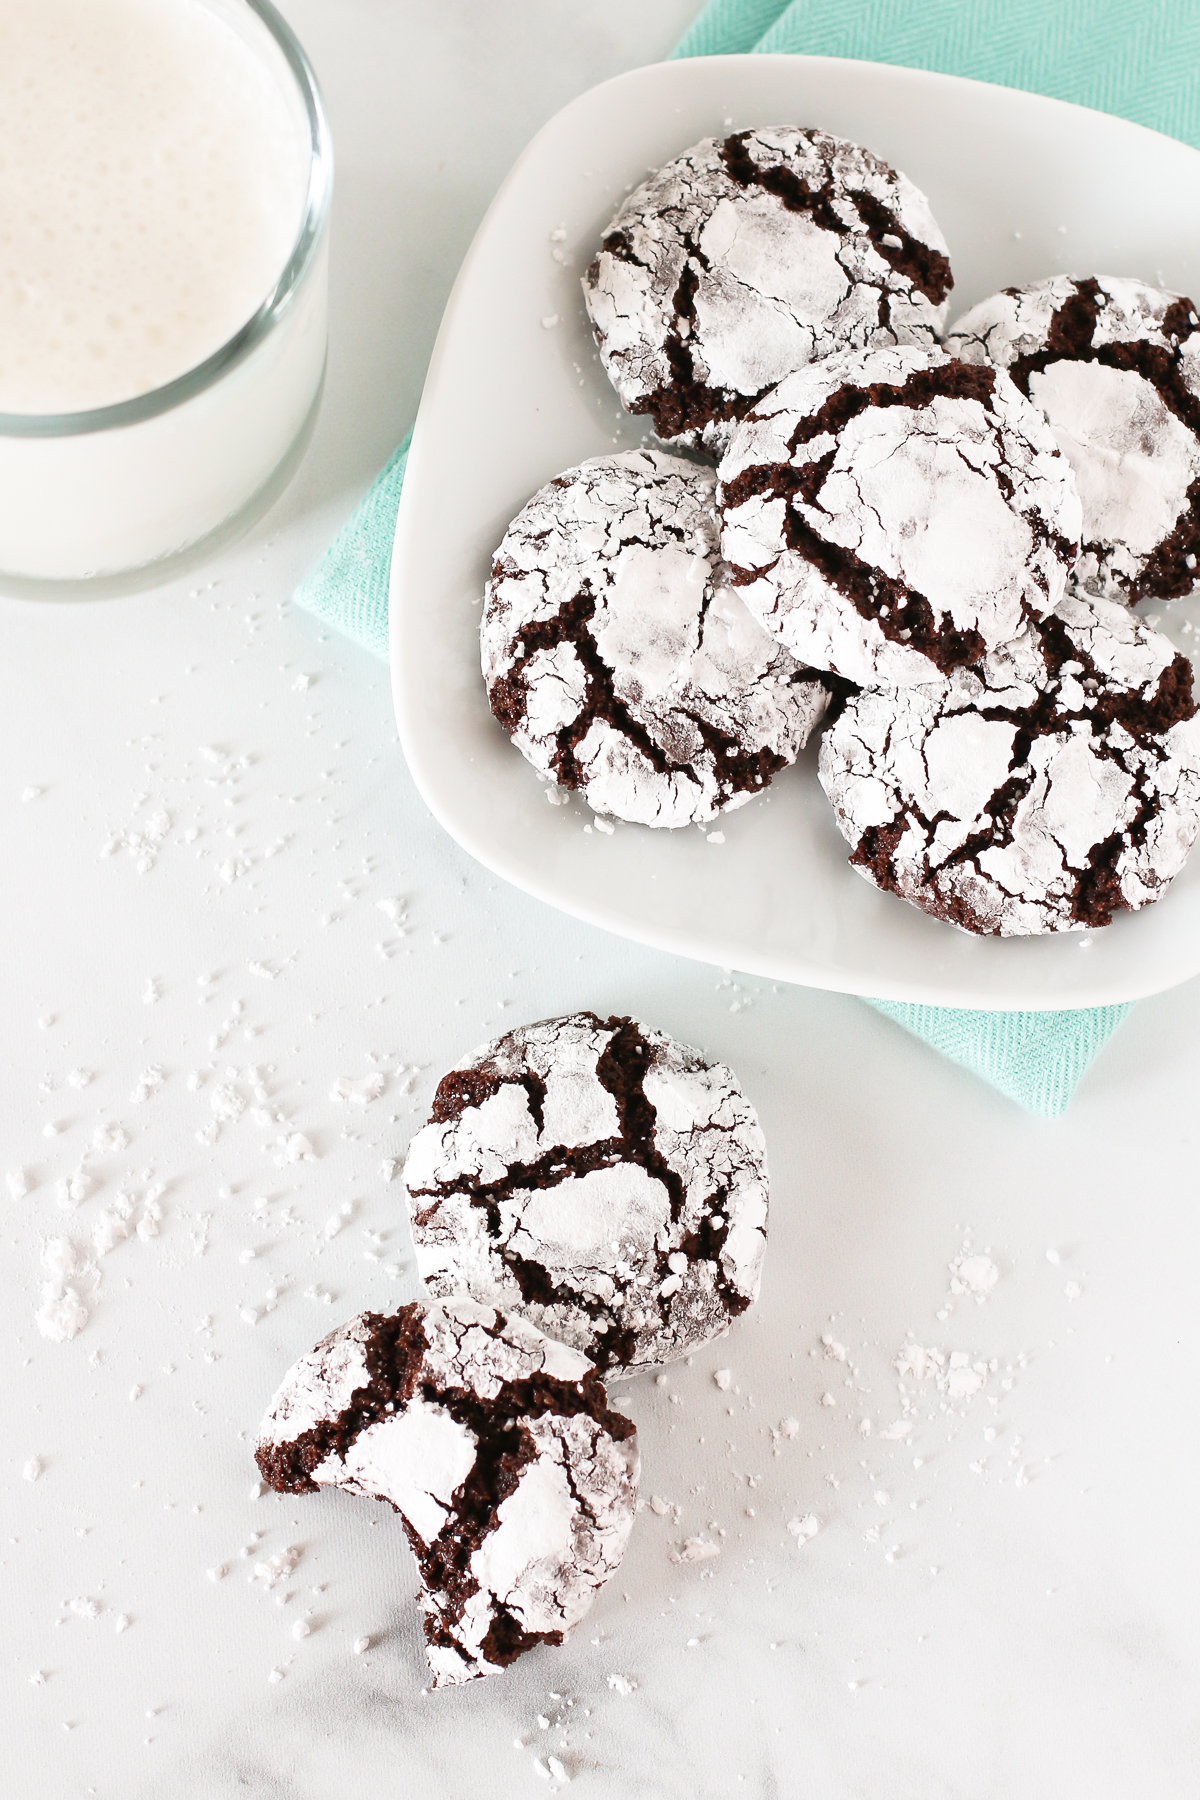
[598, 1178]
[515, 1482]
[893, 514]
[1043, 791]
[617, 657]
[1115, 368]
[743, 259]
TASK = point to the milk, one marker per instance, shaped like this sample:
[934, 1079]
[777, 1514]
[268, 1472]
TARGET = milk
[151, 188]
[156, 170]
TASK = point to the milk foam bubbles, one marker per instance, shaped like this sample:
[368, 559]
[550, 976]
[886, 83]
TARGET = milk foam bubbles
[152, 186]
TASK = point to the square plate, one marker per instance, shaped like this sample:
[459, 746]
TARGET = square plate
[1023, 187]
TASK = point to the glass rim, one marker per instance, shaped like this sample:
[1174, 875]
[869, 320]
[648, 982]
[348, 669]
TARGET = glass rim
[263, 320]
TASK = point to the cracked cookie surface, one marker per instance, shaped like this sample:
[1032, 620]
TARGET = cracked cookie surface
[1114, 366]
[515, 1482]
[599, 1178]
[1053, 785]
[894, 514]
[746, 257]
[620, 661]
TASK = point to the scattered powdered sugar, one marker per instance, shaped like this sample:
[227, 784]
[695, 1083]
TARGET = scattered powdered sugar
[107, 1140]
[696, 1549]
[975, 1275]
[804, 1529]
[228, 1103]
[148, 1084]
[293, 1149]
[143, 840]
[346, 1090]
[71, 1189]
[33, 1469]
[112, 1226]
[63, 1313]
[278, 1567]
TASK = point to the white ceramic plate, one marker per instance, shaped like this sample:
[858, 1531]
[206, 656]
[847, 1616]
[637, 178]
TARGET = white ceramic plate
[1023, 187]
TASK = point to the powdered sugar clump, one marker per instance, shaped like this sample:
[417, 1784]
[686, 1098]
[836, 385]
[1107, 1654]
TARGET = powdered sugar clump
[63, 1312]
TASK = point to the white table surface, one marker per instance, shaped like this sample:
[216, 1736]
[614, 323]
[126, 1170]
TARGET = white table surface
[1005, 1615]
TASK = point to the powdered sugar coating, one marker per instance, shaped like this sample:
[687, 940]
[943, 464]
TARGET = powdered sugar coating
[516, 1485]
[321, 1384]
[599, 1178]
[1114, 366]
[893, 514]
[745, 258]
[619, 660]
[1056, 783]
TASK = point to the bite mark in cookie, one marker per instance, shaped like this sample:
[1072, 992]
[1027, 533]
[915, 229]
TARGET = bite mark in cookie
[515, 1481]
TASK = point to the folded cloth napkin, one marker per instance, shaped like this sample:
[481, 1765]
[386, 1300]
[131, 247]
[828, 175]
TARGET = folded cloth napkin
[1137, 58]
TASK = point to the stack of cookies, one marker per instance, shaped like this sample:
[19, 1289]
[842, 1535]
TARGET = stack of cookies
[587, 1201]
[931, 552]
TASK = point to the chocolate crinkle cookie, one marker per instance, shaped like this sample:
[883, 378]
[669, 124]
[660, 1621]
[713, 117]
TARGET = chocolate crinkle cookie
[598, 1178]
[894, 514]
[743, 259]
[1115, 368]
[514, 1480]
[1053, 785]
[619, 660]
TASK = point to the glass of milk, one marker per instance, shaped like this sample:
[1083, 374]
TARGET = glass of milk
[165, 179]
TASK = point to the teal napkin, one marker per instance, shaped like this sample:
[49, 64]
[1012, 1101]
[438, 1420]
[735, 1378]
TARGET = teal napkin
[1137, 58]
